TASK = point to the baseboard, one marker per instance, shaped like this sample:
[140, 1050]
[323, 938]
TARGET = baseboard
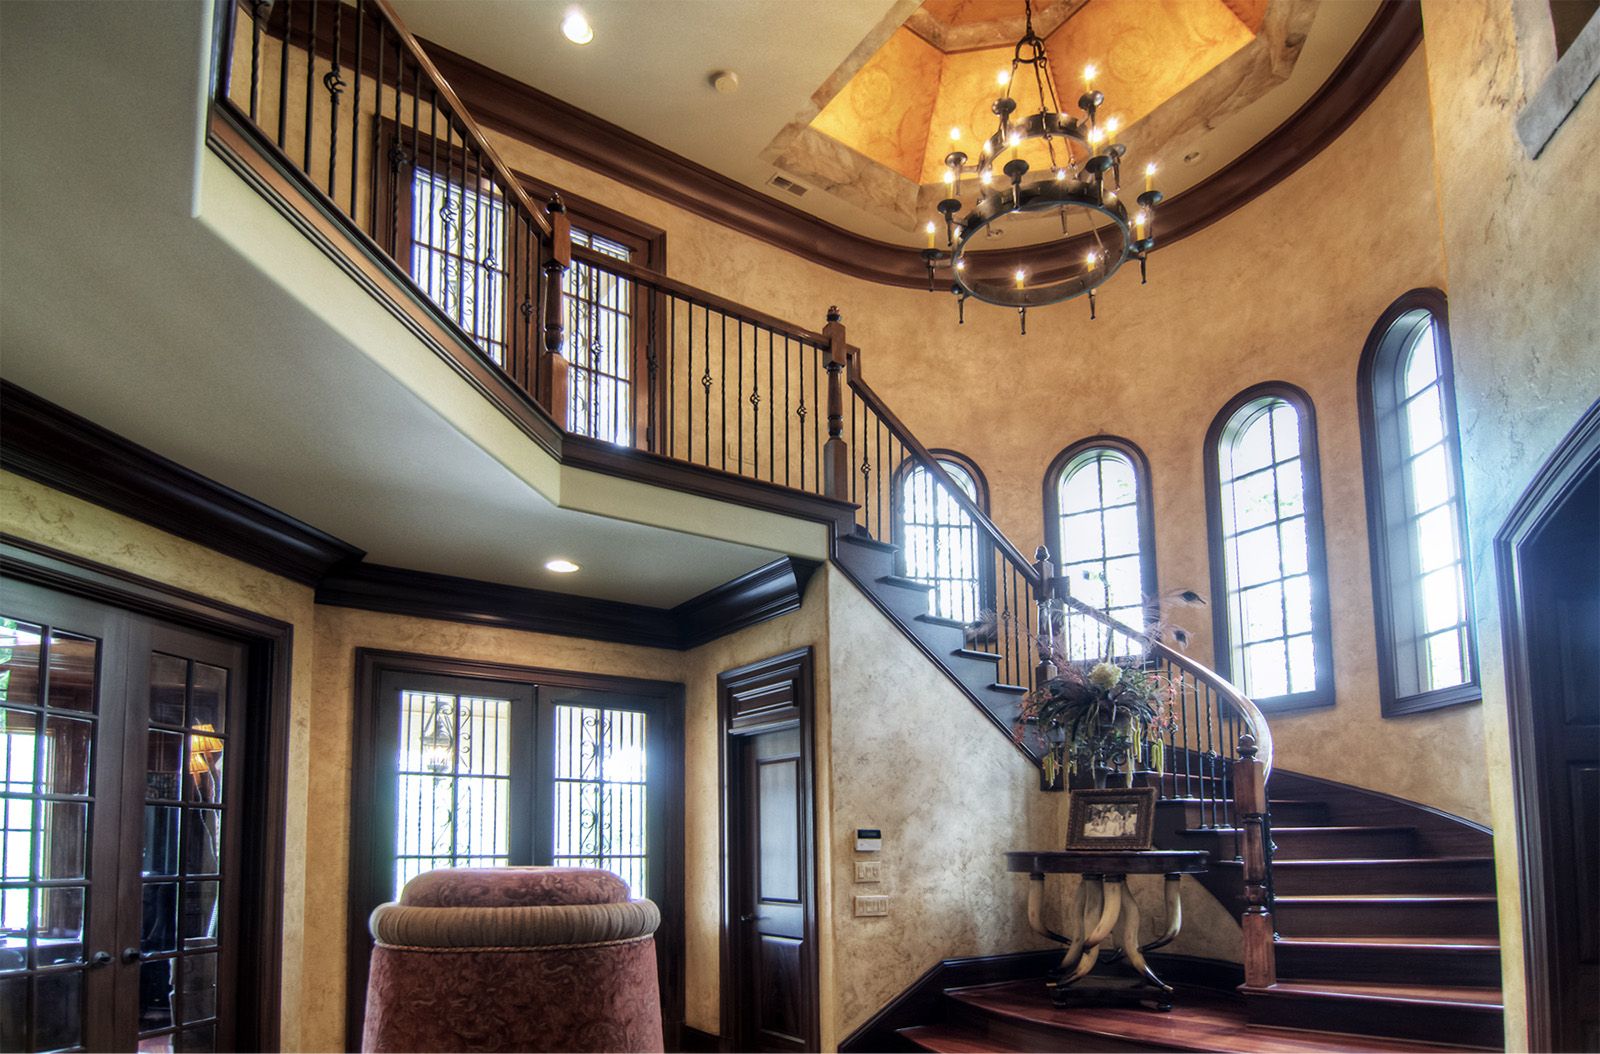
[694, 1041]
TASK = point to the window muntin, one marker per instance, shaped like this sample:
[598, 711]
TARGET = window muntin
[939, 540]
[1272, 624]
[1098, 521]
[600, 792]
[599, 344]
[1416, 517]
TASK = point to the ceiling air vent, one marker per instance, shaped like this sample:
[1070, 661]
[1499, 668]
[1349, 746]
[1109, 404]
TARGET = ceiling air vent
[786, 185]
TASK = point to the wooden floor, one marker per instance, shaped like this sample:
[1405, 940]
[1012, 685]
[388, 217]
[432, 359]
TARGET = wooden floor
[1017, 1016]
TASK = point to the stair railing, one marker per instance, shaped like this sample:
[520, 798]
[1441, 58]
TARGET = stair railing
[351, 108]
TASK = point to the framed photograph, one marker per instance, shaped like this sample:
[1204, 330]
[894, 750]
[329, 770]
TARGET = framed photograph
[1111, 819]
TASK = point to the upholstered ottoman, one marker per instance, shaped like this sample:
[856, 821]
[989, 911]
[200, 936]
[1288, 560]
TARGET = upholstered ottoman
[514, 959]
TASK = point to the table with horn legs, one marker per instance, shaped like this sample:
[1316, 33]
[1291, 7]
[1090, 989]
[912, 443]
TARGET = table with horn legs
[1103, 905]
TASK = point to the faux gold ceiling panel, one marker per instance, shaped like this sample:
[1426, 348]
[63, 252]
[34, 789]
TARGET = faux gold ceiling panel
[899, 107]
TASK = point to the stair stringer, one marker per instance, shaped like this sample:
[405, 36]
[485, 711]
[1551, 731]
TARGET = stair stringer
[867, 563]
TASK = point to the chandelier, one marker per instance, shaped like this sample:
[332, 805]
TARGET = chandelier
[1079, 190]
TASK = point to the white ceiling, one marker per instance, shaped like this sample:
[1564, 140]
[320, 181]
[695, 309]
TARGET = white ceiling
[117, 305]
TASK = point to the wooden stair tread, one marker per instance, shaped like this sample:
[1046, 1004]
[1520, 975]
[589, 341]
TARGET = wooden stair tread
[950, 1039]
[1443, 944]
[973, 653]
[1370, 861]
[905, 583]
[1384, 898]
[1433, 995]
[1199, 1020]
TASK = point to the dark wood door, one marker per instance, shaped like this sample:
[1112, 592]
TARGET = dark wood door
[769, 987]
[120, 855]
[772, 927]
[1561, 598]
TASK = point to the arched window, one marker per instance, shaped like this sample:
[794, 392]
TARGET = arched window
[1098, 526]
[939, 543]
[1264, 518]
[1416, 520]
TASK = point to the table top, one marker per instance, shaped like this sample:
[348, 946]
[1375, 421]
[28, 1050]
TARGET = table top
[1109, 861]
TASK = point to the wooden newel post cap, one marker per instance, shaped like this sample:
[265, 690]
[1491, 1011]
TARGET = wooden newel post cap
[1247, 746]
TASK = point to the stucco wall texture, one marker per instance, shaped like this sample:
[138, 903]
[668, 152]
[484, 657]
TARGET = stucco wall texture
[1522, 246]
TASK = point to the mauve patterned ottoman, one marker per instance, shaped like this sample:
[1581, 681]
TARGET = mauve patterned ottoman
[514, 959]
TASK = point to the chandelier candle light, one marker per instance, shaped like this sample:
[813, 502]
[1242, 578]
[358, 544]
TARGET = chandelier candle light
[1081, 182]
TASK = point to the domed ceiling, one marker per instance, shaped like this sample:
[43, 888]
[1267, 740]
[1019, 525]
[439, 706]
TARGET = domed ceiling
[844, 108]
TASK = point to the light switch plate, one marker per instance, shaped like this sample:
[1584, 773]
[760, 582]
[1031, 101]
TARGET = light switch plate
[867, 907]
[869, 871]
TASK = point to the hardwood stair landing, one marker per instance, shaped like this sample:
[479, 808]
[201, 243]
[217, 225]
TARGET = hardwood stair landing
[1018, 1016]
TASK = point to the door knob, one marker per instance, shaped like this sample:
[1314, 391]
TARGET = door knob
[752, 918]
[130, 955]
[100, 959]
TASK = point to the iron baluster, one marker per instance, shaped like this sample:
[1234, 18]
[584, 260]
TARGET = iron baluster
[335, 86]
[283, 74]
[355, 108]
[311, 74]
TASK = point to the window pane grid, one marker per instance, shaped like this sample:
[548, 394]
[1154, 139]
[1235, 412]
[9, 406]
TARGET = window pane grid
[1264, 536]
[940, 542]
[600, 771]
[454, 783]
[599, 345]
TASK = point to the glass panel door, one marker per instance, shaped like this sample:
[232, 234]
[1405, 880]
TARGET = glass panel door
[57, 892]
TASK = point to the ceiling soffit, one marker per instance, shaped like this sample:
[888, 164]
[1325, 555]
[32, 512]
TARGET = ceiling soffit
[878, 140]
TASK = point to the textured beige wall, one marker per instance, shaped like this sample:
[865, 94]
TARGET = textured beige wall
[37, 513]
[1286, 288]
[1522, 244]
[912, 756]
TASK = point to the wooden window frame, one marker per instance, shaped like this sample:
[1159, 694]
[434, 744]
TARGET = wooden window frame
[647, 246]
[984, 557]
[1322, 693]
[1143, 509]
[1395, 567]
[366, 798]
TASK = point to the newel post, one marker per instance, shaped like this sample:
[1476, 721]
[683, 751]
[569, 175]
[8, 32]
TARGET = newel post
[1250, 806]
[1043, 595]
[552, 382]
[835, 453]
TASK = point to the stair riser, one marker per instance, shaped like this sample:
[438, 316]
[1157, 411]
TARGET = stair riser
[1386, 919]
[1328, 879]
[1189, 814]
[1474, 967]
[1451, 1024]
[1309, 844]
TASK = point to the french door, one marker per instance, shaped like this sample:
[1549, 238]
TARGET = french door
[527, 767]
[119, 848]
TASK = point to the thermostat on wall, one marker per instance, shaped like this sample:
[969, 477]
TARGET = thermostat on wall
[868, 839]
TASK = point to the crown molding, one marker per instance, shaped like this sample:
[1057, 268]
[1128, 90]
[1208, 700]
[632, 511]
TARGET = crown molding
[769, 591]
[544, 121]
[65, 452]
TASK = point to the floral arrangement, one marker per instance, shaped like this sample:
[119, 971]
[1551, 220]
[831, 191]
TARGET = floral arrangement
[1099, 715]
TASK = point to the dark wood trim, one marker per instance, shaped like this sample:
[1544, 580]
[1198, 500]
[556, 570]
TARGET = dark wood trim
[270, 649]
[1382, 482]
[694, 1041]
[769, 591]
[794, 670]
[424, 594]
[1144, 508]
[754, 597]
[1316, 546]
[499, 102]
[659, 470]
[370, 665]
[1551, 487]
[72, 454]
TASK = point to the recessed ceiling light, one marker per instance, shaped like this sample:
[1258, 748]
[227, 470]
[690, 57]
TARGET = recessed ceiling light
[560, 567]
[725, 81]
[576, 28]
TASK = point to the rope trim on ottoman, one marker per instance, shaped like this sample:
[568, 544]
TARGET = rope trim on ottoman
[556, 924]
[540, 950]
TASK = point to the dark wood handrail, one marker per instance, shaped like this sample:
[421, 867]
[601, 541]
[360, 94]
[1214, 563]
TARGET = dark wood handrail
[931, 464]
[656, 280]
[469, 128]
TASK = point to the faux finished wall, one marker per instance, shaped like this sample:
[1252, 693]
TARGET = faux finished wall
[1524, 262]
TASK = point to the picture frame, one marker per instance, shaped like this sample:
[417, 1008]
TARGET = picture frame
[1122, 818]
